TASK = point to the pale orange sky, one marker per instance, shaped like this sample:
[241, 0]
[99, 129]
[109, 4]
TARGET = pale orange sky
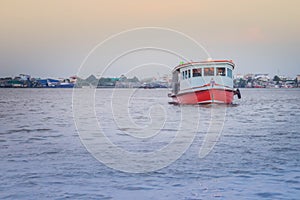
[52, 37]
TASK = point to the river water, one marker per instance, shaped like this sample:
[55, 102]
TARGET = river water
[255, 156]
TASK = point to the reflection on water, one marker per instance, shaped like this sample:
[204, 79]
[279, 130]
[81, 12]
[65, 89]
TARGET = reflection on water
[256, 157]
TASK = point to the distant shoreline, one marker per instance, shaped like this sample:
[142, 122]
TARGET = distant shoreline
[99, 88]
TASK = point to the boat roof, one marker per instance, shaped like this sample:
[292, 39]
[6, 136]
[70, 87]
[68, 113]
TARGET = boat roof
[230, 62]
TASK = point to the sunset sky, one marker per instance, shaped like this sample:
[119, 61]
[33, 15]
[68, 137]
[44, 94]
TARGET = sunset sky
[52, 38]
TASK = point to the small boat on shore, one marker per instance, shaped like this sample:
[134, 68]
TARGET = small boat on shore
[203, 82]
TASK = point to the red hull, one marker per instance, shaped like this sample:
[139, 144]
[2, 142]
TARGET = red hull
[205, 96]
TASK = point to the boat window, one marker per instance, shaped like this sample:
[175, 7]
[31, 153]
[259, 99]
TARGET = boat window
[209, 71]
[197, 72]
[186, 74]
[183, 74]
[220, 71]
[229, 72]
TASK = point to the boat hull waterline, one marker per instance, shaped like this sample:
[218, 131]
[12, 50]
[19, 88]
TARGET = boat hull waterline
[205, 96]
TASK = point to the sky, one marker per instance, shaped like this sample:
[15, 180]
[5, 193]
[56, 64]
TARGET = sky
[53, 38]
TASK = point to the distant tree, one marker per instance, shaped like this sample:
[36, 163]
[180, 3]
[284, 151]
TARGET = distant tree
[103, 81]
[249, 80]
[92, 80]
[134, 80]
[276, 78]
[242, 83]
[81, 82]
[123, 78]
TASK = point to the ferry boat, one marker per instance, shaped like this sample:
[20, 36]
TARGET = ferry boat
[203, 82]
